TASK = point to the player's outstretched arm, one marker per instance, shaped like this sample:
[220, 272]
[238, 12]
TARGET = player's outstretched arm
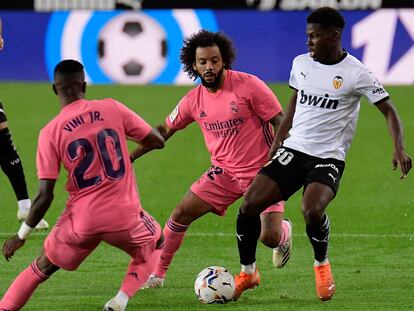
[39, 208]
[151, 142]
[285, 125]
[400, 157]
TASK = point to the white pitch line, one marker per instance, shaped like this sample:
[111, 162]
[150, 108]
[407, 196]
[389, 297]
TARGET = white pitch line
[223, 234]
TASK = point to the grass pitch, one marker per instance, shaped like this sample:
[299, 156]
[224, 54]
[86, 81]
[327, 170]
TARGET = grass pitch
[372, 234]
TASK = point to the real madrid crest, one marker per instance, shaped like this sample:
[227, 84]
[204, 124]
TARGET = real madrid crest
[233, 107]
[337, 82]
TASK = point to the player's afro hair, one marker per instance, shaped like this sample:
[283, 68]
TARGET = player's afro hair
[326, 17]
[205, 38]
[68, 66]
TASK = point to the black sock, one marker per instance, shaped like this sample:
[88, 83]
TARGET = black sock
[248, 232]
[11, 165]
[319, 238]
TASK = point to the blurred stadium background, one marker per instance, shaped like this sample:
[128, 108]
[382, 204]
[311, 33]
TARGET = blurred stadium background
[130, 49]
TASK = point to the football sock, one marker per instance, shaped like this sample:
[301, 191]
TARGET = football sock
[285, 232]
[11, 165]
[23, 287]
[248, 231]
[317, 263]
[249, 269]
[24, 205]
[137, 275]
[319, 237]
[174, 235]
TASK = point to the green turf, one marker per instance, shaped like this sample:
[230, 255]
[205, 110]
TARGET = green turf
[372, 242]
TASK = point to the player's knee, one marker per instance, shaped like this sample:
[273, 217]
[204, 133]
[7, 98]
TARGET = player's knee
[270, 238]
[247, 206]
[182, 214]
[45, 265]
[312, 213]
[252, 205]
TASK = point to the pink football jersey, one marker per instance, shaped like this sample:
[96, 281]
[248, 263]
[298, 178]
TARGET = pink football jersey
[233, 121]
[89, 139]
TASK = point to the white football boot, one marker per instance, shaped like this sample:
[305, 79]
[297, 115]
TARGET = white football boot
[281, 254]
[23, 212]
[153, 282]
[112, 305]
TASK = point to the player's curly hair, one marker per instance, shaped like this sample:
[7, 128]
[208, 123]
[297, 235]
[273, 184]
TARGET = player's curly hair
[205, 38]
[326, 17]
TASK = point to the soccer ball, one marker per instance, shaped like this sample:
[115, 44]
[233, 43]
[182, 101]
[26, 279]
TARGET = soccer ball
[132, 48]
[214, 285]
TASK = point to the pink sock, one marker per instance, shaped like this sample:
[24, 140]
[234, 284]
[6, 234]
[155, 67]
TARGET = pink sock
[22, 288]
[285, 232]
[138, 274]
[174, 235]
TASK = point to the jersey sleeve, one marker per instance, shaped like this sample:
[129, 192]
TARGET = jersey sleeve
[368, 85]
[293, 83]
[47, 159]
[264, 102]
[135, 126]
[181, 116]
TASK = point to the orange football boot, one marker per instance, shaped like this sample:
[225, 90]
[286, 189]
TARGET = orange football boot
[244, 281]
[325, 286]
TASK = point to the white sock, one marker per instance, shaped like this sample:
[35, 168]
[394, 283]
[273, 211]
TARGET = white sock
[317, 263]
[24, 204]
[122, 299]
[249, 269]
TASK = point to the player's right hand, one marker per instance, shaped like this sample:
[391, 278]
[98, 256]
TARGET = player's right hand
[400, 157]
[11, 246]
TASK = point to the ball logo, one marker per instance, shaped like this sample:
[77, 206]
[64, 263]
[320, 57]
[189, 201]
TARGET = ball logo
[337, 82]
[132, 48]
[135, 47]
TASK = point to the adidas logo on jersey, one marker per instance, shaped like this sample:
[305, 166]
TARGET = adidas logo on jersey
[318, 101]
[203, 114]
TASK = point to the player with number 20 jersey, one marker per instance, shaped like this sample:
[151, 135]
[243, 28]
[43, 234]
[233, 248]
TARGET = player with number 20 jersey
[88, 137]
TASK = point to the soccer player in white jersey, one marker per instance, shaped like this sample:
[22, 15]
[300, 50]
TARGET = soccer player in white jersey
[321, 118]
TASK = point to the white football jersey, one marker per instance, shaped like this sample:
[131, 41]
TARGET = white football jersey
[327, 105]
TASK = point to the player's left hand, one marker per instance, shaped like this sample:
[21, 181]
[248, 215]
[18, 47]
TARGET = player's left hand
[11, 246]
[401, 158]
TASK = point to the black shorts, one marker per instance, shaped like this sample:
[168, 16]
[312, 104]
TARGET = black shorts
[292, 169]
[2, 114]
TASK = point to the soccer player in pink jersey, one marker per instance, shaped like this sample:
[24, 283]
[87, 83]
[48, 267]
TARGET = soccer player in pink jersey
[235, 112]
[88, 137]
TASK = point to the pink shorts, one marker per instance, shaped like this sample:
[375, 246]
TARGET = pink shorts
[220, 189]
[68, 250]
